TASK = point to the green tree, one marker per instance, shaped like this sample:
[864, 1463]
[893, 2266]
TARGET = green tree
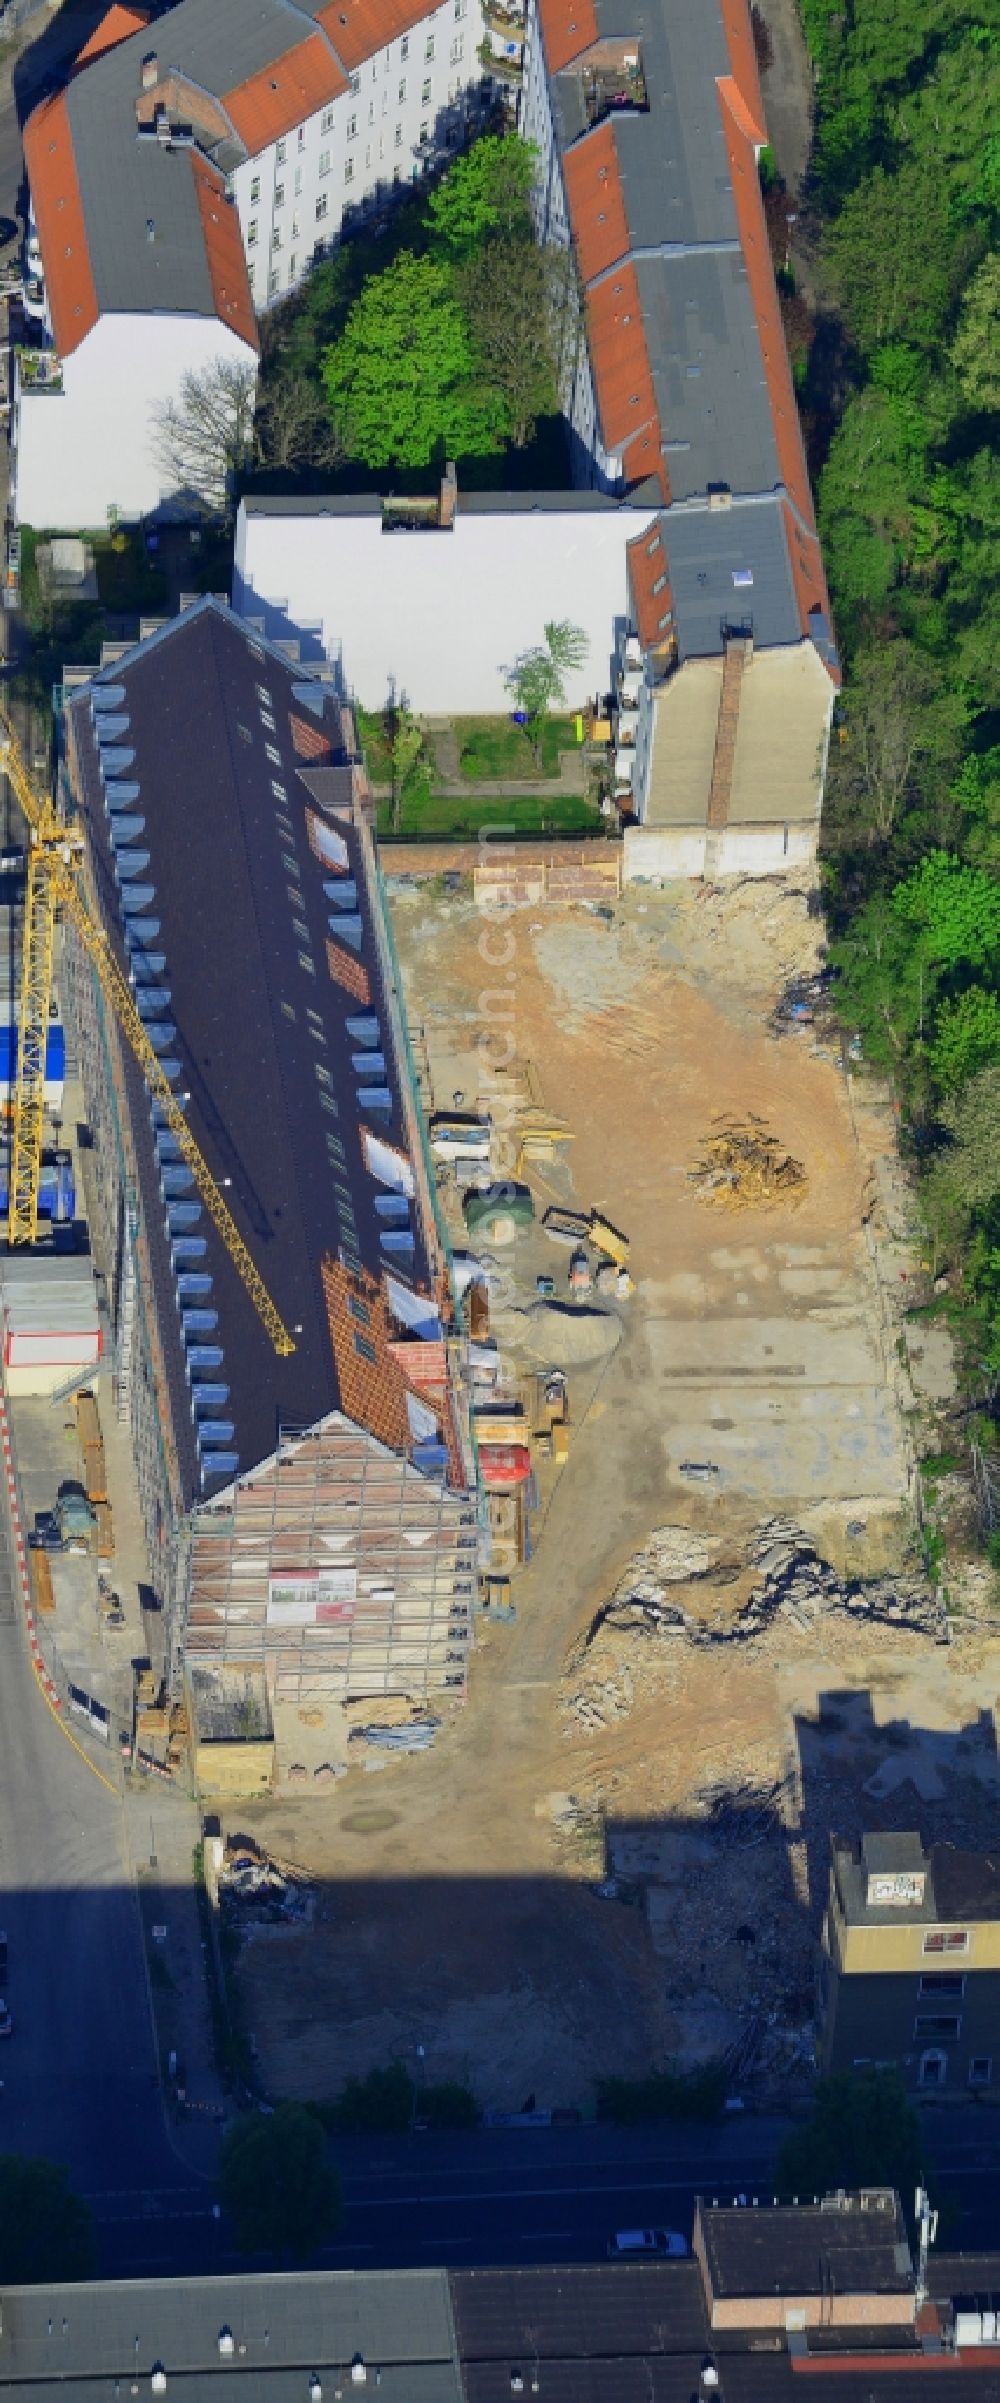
[958, 908]
[886, 982]
[486, 192]
[966, 1036]
[382, 2103]
[277, 2183]
[900, 257]
[972, 1117]
[46, 2230]
[862, 2131]
[536, 681]
[411, 771]
[403, 382]
[516, 299]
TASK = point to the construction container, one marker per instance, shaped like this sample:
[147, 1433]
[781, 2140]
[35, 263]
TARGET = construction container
[50, 1320]
[498, 1213]
[42, 1594]
[105, 1530]
[479, 1312]
[504, 1463]
[560, 1440]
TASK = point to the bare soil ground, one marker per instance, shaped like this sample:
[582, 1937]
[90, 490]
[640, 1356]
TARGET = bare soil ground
[458, 1909]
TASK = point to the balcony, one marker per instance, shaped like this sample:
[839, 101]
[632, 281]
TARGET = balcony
[509, 23]
[612, 79]
[504, 66]
[39, 370]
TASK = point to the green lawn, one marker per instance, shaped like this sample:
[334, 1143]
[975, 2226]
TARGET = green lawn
[456, 817]
[128, 583]
[491, 748]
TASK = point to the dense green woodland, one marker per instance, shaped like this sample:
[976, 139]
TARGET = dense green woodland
[907, 188]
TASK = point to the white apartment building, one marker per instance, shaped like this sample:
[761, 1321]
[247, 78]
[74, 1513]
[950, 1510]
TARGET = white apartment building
[403, 107]
[189, 174]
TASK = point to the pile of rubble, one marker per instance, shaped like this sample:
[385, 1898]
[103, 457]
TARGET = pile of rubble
[743, 1167]
[256, 1891]
[793, 1586]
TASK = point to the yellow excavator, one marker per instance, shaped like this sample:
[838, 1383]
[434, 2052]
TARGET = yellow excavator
[55, 851]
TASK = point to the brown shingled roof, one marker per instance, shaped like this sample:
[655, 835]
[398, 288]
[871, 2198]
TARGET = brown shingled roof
[55, 194]
[227, 265]
[293, 87]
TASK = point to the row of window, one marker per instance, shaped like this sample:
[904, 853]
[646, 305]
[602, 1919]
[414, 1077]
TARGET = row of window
[328, 115]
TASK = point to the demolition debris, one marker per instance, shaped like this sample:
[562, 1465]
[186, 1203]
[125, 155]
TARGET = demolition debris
[743, 1167]
[794, 1586]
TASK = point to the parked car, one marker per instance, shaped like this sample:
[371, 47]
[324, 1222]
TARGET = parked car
[6, 2026]
[645, 2244]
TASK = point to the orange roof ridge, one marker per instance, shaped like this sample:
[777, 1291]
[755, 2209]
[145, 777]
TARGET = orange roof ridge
[291, 88]
[595, 202]
[738, 30]
[118, 26]
[50, 165]
[568, 27]
[224, 251]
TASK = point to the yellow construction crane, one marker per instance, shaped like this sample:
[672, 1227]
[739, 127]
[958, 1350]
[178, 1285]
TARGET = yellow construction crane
[54, 852]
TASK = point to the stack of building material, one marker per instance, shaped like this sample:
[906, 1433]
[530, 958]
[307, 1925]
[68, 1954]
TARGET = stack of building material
[88, 1427]
[105, 1531]
[50, 1319]
[42, 1594]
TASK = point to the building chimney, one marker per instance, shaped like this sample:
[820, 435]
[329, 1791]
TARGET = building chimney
[150, 71]
[449, 495]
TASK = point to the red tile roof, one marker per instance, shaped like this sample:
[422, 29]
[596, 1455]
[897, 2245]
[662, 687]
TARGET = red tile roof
[622, 373]
[62, 234]
[804, 550]
[743, 61]
[116, 27]
[568, 26]
[227, 264]
[595, 203]
[293, 87]
[647, 562]
[357, 28]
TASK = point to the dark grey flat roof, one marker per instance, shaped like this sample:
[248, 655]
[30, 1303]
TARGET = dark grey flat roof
[262, 1039]
[959, 1885]
[575, 500]
[708, 371]
[702, 337]
[285, 2329]
[125, 183]
[707, 550]
[857, 2248]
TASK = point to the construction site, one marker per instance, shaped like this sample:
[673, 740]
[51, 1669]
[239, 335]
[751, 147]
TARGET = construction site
[706, 1636]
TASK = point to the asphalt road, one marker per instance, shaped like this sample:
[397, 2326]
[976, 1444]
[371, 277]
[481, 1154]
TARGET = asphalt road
[528, 2196]
[79, 2080]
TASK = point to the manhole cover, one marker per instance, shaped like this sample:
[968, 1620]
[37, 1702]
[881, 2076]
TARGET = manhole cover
[370, 1822]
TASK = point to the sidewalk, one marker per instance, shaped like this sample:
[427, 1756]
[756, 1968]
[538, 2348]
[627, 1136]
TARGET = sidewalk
[162, 1828]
